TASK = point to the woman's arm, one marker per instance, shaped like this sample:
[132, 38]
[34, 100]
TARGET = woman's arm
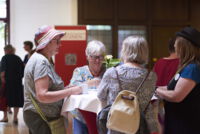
[103, 88]
[151, 116]
[93, 82]
[3, 77]
[45, 96]
[183, 87]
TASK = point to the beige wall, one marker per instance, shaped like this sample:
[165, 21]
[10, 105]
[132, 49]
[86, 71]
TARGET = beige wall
[27, 15]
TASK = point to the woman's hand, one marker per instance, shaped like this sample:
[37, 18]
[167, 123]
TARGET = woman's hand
[45, 96]
[183, 87]
[94, 82]
[74, 90]
[159, 91]
[3, 78]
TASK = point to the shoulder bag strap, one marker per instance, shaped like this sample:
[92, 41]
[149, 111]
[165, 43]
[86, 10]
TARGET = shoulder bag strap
[120, 87]
[38, 108]
[143, 81]
[138, 86]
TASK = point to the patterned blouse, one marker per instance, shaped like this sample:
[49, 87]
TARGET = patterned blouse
[80, 75]
[130, 78]
[38, 67]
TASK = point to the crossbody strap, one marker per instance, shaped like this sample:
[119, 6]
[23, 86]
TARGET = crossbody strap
[38, 108]
[143, 81]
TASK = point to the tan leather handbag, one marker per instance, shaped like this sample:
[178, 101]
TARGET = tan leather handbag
[124, 115]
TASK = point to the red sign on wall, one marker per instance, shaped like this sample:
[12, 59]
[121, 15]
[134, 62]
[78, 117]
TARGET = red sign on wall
[71, 52]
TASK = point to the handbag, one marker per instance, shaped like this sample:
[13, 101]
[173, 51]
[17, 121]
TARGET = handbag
[2, 90]
[3, 103]
[3, 100]
[124, 115]
[56, 126]
[102, 120]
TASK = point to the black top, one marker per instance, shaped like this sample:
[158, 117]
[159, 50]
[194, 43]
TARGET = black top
[13, 67]
[184, 117]
[26, 59]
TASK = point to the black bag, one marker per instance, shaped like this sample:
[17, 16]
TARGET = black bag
[143, 129]
[102, 120]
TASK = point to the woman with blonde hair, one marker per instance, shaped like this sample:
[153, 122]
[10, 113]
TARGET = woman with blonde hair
[182, 95]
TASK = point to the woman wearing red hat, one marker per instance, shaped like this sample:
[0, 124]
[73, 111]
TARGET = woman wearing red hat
[43, 84]
[182, 95]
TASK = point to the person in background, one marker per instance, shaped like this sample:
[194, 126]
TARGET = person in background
[28, 46]
[134, 55]
[3, 102]
[42, 82]
[165, 68]
[181, 95]
[12, 70]
[89, 76]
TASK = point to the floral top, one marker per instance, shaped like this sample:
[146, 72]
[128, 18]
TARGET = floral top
[80, 75]
[130, 78]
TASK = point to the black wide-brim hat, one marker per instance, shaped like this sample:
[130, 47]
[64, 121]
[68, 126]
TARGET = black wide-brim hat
[190, 34]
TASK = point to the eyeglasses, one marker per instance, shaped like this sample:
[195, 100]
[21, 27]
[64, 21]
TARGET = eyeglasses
[94, 57]
[57, 41]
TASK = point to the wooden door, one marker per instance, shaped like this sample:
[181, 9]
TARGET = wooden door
[160, 38]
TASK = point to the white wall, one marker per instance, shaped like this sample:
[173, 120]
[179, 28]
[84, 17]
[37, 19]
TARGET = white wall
[28, 15]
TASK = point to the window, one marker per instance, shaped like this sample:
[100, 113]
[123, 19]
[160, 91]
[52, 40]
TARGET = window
[125, 31]
[4, 25]
[102, 33]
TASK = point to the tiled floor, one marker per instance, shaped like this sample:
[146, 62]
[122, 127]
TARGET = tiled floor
[10, 128]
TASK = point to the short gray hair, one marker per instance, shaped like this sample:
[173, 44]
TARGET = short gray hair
[95, 47]
[135, 49]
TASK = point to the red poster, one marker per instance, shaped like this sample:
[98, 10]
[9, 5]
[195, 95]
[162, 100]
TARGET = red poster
[71, 52]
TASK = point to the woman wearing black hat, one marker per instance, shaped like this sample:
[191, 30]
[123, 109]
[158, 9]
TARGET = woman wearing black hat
[182, 95]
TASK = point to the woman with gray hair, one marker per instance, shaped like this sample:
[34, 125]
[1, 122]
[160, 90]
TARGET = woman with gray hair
[88, 77]
[95, 52]
[134, 54]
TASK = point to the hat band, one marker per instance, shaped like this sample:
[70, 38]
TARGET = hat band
[52, 31]
[45, 41]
